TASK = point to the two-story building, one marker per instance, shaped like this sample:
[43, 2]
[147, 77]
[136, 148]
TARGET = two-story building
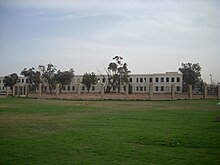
[140, 83]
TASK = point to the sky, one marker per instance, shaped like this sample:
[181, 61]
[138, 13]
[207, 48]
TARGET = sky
[153, 36]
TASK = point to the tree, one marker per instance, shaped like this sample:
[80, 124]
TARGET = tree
[63, 78]
[89, 79]
[10, 80]
[33, 77]
[117, 74]
[47, 75]
[191, 75]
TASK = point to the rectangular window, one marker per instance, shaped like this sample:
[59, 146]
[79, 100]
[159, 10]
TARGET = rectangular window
[83, 88]
[45, 88]
[73, 88]
[22, 80]
[137, 88]
[141, 88]
[145, 88]
[3, 88]
[145, 80]
[150, 80]
[0, 88]
[178, 88]
[26, 80]
[167, 79]
[141, 80]
[177, 79]
[156, 79]
[162, 88]
[172, 79]
[131, 80]
[68, 88]
[161, 79]
[157, 88]
[137, 80]
[103, 80]
[0, 81]
[93, 88]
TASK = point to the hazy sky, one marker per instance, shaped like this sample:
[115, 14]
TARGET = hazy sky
[152, 35]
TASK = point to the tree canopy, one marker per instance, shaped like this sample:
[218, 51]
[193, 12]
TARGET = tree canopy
[117, 74]
[33, 77]
[10, 80]
[63, 77]
[89, 79]
[47, 75]
[191, 75]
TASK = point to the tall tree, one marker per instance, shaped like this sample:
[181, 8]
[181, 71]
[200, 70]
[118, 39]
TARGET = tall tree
[63, 78]
[33, 77]
[47, 75]
[89, 79]
[10, 80]
[191, 74]
[117, 74]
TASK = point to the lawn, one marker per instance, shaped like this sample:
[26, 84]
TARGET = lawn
[109, 132]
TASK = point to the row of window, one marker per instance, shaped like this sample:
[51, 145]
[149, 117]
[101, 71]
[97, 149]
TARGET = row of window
[157, 88]
[19, 80]
[73, 88]
[162, 79]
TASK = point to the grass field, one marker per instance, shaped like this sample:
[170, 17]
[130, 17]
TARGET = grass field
[109, 132]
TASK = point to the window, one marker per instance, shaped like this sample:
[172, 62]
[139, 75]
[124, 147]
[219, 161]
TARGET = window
[68, 88]
[137, 88]
[137, 80]
[73, 88]
[141, 88]
[45, 88]
[157, 88]
[177, 79]
[103, 80]
[3, 88]
[161, 79]
[145, 80]
[162, 88]
[141, 80]
[26, 80]
[131, 80]
[178, 88]
[0, 88]
[0, 81]
[22, 80]
[172, 79]
[157, 79]
[145, 88]
[93, 88]
[83, 88]
[150, 80]
[114, 88]
[167, 79]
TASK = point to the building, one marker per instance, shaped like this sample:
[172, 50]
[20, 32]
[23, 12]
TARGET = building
[140, 83]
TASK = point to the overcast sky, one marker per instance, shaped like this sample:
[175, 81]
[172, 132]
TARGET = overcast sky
[153, 36]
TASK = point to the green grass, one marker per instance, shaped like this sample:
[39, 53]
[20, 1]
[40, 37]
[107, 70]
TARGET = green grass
[109, 132]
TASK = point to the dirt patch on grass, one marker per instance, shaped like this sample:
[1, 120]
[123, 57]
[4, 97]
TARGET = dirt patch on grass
[4, 106]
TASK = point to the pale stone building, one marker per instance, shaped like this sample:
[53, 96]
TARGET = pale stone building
[140, 83]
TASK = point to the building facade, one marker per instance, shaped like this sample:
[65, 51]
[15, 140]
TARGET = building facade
[140, 83]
